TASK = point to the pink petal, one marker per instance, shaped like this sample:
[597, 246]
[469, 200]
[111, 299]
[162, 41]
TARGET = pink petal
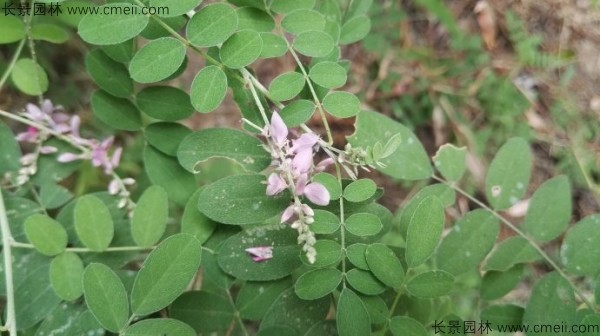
[106, 143]
[31, 135]
[260, 253]
[301, 183]
[47, 106]
[68, 157]
[116, 157]
[275, 184]
[278, 129]
[302, 161]
[75, 124]
[34, 112]
[48, 149]
[305, 141]
[321, 166]
[317, 193]
[287, 214]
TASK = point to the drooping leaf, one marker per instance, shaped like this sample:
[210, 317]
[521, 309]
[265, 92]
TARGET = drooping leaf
[206, 312]
[431, 284]
[549, 209]
[385, 265]
[106, 297]
[47, 235]
[351, 315]
[66, 274]
[409, 161]
[109, 75]
[157, 60]
[451, 161]
[149, 220]
[164, 103]
[317, 283]
[212, 25]
[124, 22]
[579, 251]
[508, 176]
[208, 89]
[159, 326]
[165, 274]
[234, 260]
[241, 49]
[93, 223]
[424, 231]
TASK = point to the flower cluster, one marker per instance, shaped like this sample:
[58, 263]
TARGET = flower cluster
[52, 121]
[293, 167]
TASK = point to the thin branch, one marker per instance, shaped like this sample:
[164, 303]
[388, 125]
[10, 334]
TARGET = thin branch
[11, 320]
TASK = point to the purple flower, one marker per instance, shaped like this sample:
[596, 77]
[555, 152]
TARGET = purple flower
[305, 141]
[31, 135]
[302, 161]
[287, 213]
[278, 130]
[317, 193]
[260, 253]
[275, 184]
[47, 115]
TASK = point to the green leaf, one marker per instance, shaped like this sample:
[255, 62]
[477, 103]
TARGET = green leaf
[124, 23]
[165, 274]
[424, 231]
[341, 104]
[356, 254]
[255, 298]
[325, 222]
[66, 274]
[49, 33]
[93, 223]
[13, 29]
[406, 326]
[385, 265]
[579, 251]
[451, 161]
[174, 7]
[328, 74]
[431, 284]
[221, 142]
[164, 103]
[508, 176]
[166, 136]
[70, 319]
[106, 297]
[495, 284]
[360, 190]
[149, 220]
[363, 224]
[212, 25]
[204, 311]
[503, 315]
[166, 172]
[47, 235]
[329, 253]
[240, 200]
[254, 19]
[297, 112]
[155, 30]
[109, 75]
[273, 45]
[302, 20]
[469, 241]
[408, 162]
[10, 153]
[29, 77]
[194, 222]
[208, 89]
[117, 113]
[316, 284]
[442, 191]
[323, 328]
[286, 6]
[159, 326]
[549, 210]
[122, 52]
[355, 29]
[352, 316]
[314, 43]
[331, 183]
[291, 311]
[234, 260]
[286, 86]
[53, 196]
[511, 251]
[378, 310]
[157, 60]
[551, 300]
[365, 282]
[241, 49]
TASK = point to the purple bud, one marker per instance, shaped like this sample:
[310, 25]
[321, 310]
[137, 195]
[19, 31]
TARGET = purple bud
[113, 187]
[287, 214]
[260, 253]
[48, 149]
[278, 129]
[305, 141]
[116, 157]
[317, 193]
[321, 166]
[68, 157]
[275, 184]
[302, 161]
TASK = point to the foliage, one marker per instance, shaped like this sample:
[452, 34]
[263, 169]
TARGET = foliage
[230, 232]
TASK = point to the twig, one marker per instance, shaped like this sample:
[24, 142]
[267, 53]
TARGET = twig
[11, 320]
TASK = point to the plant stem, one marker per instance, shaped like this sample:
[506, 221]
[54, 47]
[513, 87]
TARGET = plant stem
[87, 250]
[12, 63]
[522, 234]
[11, 321]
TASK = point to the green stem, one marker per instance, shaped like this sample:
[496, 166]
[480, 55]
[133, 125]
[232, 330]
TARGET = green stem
[31, 44]
[12, 63]
[110, 249]
[522, 234]
[399, 293]
[11, 321]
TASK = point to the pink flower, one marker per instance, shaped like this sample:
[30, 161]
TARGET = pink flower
[68, 157]
[302, 161]
[287, 214]
[305, 141]
[278, 130]
[321, 166]
[260, 253]
[31, 135]
[317, 193]
[275, 184]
